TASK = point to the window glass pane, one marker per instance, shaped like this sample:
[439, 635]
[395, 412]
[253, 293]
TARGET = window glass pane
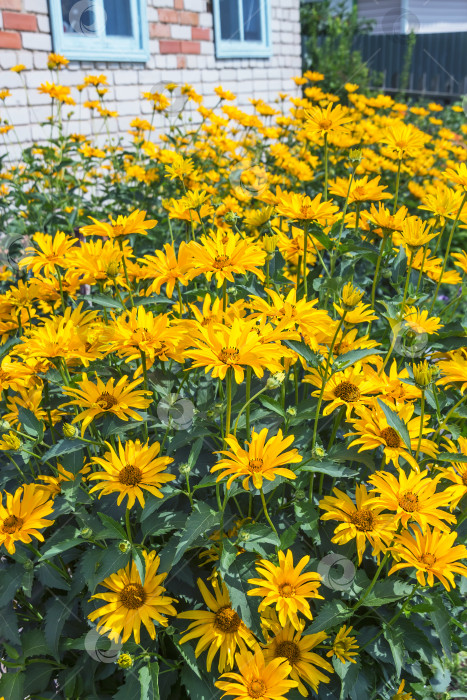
[118, 18]
[81, 17]
[230, 29]
[252, 20]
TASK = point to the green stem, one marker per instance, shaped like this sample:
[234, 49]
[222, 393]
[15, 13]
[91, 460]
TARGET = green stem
[446, 420]
[128, 525]
[228, 382]
[125, 270]
[247, 398]
[265, 508]
[398, 179]
[325, 166]
[60, 285]
[305, 269]
[422, 415]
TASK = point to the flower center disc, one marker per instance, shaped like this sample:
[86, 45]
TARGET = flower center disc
[229, 355]
[133, 596]
[347, 392]
[290, 650]
[391, 437]
[464, 478]
[363, 520]
[256, 689]
[255, 465]
[130, 475]
[286, 590]
[428, 559]
[409, 501]
[106, 401]
[12, 524]
[227, 620]
[220, 261]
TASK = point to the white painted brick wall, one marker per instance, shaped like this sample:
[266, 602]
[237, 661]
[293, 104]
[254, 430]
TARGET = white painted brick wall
[247, 78]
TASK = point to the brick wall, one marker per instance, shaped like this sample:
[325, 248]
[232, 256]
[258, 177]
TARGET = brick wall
[182, 50]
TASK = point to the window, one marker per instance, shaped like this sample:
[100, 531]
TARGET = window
[242, 28]
[100, 30]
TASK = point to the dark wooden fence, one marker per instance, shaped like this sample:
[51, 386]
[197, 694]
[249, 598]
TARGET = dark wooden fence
[438, 68]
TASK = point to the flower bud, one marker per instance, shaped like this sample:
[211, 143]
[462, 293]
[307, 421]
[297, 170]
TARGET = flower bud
[184, 469]
[86, 532]
[4, 425]
[355, 155]
[28, 565]
[124, 546]
[125, 661]
[299, 494]
[113, 269]
[318, 453]
[423, 374]
[243, 536]
[11, 442]
[270, 243]
[70, 431]
[350, 296]
[291, 410]
[275, 381]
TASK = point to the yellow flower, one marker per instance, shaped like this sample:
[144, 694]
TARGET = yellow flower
[51, 251]
[10, 442]
[454, 369]
[257, 680]
[404, 140]
[331, 119]
[420, 322]
[122, 226]
[432, 554]
[351, 388]
[401, 695]
[423, 374]
[55, 60]
[219, 629]
[286, 587]
[361, 190]
[363, 522]
[344, 646]
[223, 253]
[300, 207]
[130, 603]
[96, 399]
[23, 515]
[261, 460]
[134, 468]
[456, 473]
[18, 68]
[458, 175]
[350, 296]
[415, 233]
[168, 268]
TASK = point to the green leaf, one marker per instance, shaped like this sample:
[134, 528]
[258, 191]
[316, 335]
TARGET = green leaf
[332, 614]
[62, 447]
[387, 591]
[149, 681]
[236, 581]
[98, 564]
[113, 525]
[310, 357]
[395, 422]
[441, 619]
[197, 688]
[57, 614]
[273, 405]
[200, 523]
[33, 643]
[289, 536]
[228, 556]
[325, 467]
[140, 563]
[194, 452]
[307, 516]
[37, 678]
[60, 547]
[107, 302]
[395, 638]
[348, 673]
[340, 453]
[451, 457]
[12, 685]
[10, 581]
[9, 625]
[29, 422]
[350, 358]
[258, 536]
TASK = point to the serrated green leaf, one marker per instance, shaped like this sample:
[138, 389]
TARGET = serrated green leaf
[57, 614]
[333, 613]
[37, 678]
[62, 447]
[30, 423]
[9, 625]
[12, 685]
[10, 581]
[140, 563]
[326, 467]
[395, 422]
[289, 536]
[387, 591]
[350, 358]
[258, 536]
[395, 639]
[113, 525]
[441, 619]
[33, 643]
[273, 405]
[304, 351]
[228, 556]
[236, 581]
[60, 547]
[200, 523]
[451, 457]
[105, 301]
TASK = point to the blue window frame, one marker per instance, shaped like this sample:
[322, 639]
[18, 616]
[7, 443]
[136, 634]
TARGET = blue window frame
[100, 30]
[242, 28]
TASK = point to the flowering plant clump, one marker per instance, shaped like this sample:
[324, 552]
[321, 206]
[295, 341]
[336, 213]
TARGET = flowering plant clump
[234, 373]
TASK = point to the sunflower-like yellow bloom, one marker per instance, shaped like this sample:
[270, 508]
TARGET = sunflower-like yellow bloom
[130, 603]
[457, 175]
[10, 442]
[401, 695]
[99, 261]
[420, 322]
[224, 254]
[373, 431]
[412, 498]
[300, 207]
[454, 370]
[220, 629]
[361, 190]
[290, 644]
[257, 679]
[351, 388]
[23, 515]
[168, 268]
[220, 347]
[384, 220]
[351, 296]
[456, 473]
[442, 201]
[96, 399]
[330, 119]
[262, 460]
[51, 252]
[344, 646]
[363, 522]
[432, 554]
[286, 587]
[415, 233]
[136, 222]
[134, 468]
[404, 140]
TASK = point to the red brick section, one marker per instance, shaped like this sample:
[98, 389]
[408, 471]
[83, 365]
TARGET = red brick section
[11, 5]
[159, 31]
[170, 46]
[190, 47]
[181, 61]
[178, 4]
[167, 16]
[200, 34]
[19, 21]
[10, 40]
[189, 18]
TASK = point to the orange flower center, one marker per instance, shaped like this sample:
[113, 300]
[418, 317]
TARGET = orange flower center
[286, 590]
[364, 520]
[221, 261]
[106, 401]
[256, 688]
[229, 355]
[118, 230]
[290, 650]
[227, 620]
[428, 559]
[464, 478]
[133, 596]
[391, 437]
[408, 501]
[255, 465]
[347, 391]
[12, 524]
[130, 475]
[325, 123]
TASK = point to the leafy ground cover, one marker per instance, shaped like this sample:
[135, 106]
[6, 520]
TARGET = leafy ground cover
[234, 372]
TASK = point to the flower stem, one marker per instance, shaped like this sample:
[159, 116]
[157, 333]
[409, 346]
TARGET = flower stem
[265, 508]
[398, 179]
[422, 415]
[325, 166]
